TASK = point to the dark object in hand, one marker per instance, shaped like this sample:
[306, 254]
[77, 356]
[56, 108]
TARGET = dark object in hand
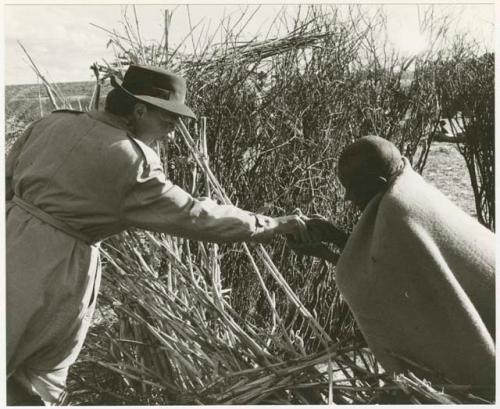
[322, 230]
[312, 249]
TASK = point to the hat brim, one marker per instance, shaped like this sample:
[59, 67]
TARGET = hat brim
[169, 106]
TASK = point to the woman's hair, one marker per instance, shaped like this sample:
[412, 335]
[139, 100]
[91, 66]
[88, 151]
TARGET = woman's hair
[119, 102]
[368, 157]
[366, 167]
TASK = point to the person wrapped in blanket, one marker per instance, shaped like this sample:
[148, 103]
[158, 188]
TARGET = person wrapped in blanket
[72, 180]
[417, 272]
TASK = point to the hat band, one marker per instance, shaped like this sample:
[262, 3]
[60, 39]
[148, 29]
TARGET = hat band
[149, 91]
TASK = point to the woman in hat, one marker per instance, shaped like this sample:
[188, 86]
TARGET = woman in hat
[74, 179]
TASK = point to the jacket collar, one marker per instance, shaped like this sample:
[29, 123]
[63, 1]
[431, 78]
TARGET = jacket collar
[110, 119]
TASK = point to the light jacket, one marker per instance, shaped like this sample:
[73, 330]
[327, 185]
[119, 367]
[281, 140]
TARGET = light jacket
[89, 172]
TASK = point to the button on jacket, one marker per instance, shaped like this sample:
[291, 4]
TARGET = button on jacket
[87, 171]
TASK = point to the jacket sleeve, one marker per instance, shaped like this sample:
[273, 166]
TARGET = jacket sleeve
[11, 161]
[154, 203]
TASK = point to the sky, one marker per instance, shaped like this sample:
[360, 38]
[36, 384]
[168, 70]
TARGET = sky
[63, 43]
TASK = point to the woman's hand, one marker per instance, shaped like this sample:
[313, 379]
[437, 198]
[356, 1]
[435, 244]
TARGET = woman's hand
[319, 230]
[318, 250]
[322, 230]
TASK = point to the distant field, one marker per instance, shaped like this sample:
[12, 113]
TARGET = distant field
[18, 96]
[29, 102]
[33, 90]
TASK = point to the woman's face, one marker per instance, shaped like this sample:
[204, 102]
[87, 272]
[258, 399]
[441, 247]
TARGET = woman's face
[361, 190]
[152, 124]
[360, 184]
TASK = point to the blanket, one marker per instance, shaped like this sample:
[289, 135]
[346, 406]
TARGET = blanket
[419, 276]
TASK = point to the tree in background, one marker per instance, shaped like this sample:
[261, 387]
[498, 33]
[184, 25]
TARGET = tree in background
[466, 89]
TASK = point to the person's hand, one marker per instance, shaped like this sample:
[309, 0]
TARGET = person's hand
[294, 226]
[322, 230]
[319, 230]
[312, 249]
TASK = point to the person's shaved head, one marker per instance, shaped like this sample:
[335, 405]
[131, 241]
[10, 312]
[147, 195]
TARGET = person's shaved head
[365, 167]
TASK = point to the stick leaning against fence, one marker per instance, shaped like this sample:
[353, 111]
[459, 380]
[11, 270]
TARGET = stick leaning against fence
[271, 268]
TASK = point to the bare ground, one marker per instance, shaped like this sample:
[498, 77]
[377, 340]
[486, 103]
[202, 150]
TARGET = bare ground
[446, 170]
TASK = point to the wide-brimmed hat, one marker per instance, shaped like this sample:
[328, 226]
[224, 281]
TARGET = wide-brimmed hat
[157, 87]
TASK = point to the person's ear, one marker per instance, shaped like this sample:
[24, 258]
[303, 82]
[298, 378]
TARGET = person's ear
[139, 111]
